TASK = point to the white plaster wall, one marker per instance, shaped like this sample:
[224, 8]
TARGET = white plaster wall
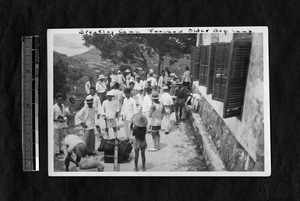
[250, 131]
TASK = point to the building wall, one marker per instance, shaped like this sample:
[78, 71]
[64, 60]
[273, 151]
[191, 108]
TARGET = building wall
[240, 142]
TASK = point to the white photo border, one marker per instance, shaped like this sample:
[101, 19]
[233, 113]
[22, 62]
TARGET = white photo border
[163, 30]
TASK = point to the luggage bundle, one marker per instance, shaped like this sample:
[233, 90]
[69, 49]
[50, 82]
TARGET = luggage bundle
[108, 146]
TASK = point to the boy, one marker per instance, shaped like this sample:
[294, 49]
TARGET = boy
[156, 115]
[119, 97]
[139, 143]
[139, 99]
[147, 103]
[101, 87]
[181, 95]
[110, 112]
[73, 143]
[128, 110]
[186, 78]
[167, 101]
[59, 124]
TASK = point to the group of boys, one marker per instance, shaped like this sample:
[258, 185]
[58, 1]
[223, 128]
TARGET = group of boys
[141, 104]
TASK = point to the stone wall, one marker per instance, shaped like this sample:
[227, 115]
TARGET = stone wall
[233, 155]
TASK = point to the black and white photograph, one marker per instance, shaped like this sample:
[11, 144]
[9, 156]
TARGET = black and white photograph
[184, 101]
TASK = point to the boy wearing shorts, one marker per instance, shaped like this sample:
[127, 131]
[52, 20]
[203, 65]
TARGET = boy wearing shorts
[139, 142]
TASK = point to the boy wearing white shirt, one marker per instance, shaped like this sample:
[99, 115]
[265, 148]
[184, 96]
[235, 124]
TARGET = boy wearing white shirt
[101, 87]
[167, 101]
[86, 118]
[128, 110]
[147, 103]
[59, 124]
[119, 97]
[110, 113]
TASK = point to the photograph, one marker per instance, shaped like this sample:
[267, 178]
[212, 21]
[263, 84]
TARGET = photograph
[170, 101]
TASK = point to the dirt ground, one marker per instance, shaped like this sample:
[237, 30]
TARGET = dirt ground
[179, 151]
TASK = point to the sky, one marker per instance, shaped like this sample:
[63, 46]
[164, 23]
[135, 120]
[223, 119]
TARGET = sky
[69, 44]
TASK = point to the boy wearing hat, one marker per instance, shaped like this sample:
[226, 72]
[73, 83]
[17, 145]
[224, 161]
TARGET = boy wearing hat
[128, 110]
[167, 101]
[128, 77]
[101, 87]
[110, 113]
[86, 118]
[156, 115]
[139, 143]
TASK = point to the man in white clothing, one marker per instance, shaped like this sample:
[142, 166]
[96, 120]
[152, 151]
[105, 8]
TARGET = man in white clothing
[97, 107]
[128, 110]
[110, 113]
[186, 78]
[167, 101]
[119, 97]
[152, 80]
[113, 78]
[121, 80]
[86, 118]
[101, 88]
[162, 81]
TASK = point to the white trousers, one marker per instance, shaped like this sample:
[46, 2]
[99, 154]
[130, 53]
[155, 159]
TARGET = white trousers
[127, 128]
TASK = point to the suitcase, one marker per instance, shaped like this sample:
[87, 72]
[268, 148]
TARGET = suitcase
[107, 145]
[125, 149]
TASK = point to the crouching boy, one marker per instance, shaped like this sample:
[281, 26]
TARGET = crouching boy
[73, 143]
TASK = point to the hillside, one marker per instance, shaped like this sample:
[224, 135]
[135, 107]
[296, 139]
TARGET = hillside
[74, 63]
[94, 61]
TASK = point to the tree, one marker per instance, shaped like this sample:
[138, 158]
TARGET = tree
[60, 77]
[132, 49]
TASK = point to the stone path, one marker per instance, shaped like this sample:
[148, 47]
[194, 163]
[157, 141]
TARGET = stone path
[179, 151]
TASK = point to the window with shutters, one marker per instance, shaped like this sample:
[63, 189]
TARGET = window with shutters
[204, 64]
[237, 77]
[220, 71]
[211, 66]
[195, 62]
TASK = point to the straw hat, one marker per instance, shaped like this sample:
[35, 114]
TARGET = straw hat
[101, 77]
[165, 88]
[140, 120]
[89, 99]
[127, 71]
[119, 71]
[151, 71]
[154, 96]
[110, 93]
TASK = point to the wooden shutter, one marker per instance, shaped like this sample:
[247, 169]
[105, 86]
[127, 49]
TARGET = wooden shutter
[204, 64]
[211, 66]
[220, 71]
[236, 85]
[195, 62]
